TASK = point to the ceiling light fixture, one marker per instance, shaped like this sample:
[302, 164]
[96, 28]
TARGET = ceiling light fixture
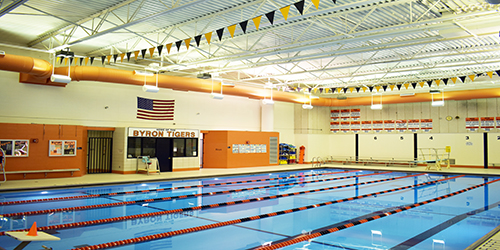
[62, 78]
[308, 106]
[268, 101]
[218, 96]
[145, 87]
[377, 105]
[437, 103]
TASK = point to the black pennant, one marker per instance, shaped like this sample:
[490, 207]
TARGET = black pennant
[160, 48]
[198, 40]
[220, 32]
[115, 56]
[414, 85]
[399, 86]
[320, 90]
[81, 61]
[143, 53]
[270, 17]
[244, 25]
[333, 90]
[335, 1]
[128, 56]
[429, 83]
[103, 59]
[445, 80]
[384, 87]
[300, 6]
[178, 44]
[91, 60]
[357, 89]
[345, 90]
[371, 88]
[309, 89]
[70, 60]
[498, 72]
[462, 78]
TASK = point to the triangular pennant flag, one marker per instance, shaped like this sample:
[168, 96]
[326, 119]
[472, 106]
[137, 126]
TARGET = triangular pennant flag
[364, 89]
[178, 44]
[445, 80]
[309, 90]
[490, 74]
[231, 29]
[421, 84]
[392, 87]
[357, 89]
[378, 88]
[65, 61]
[320, 90]
[81, 61]
[339, 90]
[122, 56]
[136, 54]
[300, 6]
[399, 86]
[256, 21]
[32, 231]
[332, 89]
[335, 1]
[384, 87]
[169, 46]
[91, 61]
[87, 60]
[352, 90]
[472, 77]
[197, 39]
[103, 59]
[151, 51]
[414, 85]
[316, 3]
[115, 56]
[285, 11]
[128, 56]
[462, 78]
[108, 58]
[159, 48]
[244, 25]
[70, 60]
[270, 17]
[345, 90]
[143, 53]
[407, 85]
[498, 72]
[371, 88]
[220, 32]
[454, 79]
[59, 60]
[187, 42]
[208, 36]
[437, 82]
[429, 83]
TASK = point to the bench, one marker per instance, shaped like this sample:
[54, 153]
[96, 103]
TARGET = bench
[45, 171]
[369, 161]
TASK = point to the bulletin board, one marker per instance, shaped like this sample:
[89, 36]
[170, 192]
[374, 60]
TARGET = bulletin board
[15, 148]
[62, 148]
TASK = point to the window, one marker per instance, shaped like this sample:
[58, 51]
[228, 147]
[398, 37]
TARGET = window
[134, 147]
[179, 146]
[191, 147]
[147, 146]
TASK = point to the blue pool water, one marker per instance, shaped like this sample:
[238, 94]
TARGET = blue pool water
[450, 223]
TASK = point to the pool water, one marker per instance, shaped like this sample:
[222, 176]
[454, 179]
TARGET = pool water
[450, 223]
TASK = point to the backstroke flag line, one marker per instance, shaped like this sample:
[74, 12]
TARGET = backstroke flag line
[159, 110]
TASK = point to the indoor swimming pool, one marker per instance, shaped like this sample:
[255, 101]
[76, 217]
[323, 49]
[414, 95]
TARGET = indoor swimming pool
[313, 209]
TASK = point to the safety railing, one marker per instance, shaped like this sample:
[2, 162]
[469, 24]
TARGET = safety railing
[317, 161]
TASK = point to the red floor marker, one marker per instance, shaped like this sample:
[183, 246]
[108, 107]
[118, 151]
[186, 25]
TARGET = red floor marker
[32, 231]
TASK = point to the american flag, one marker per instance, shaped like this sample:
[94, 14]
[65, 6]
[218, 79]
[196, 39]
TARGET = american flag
[150, 109]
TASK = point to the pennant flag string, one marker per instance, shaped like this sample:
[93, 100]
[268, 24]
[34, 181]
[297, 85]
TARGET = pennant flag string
[122, 55]
[178, 44]
[256, 22]
[91, 61]
[270, 17]
[103, 59]
[300, 6]
[160, 48]
[151, 51]
[414, 85]
[220, 32]
[128, 56]
[231, 29]
[169, 46]
[136, 54]
[208, 36]
[285, 11]
[197, 39]
[143, 53]
[243, 26]
[115, 56]
[187, 42]
[462, 78]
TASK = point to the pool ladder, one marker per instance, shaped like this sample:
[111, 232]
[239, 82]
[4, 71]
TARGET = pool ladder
[317, 161]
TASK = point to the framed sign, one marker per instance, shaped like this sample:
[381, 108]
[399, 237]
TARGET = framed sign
[15, 148]
[62, 148]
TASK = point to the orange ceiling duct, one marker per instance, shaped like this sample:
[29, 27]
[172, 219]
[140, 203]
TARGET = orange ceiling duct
[39, 71]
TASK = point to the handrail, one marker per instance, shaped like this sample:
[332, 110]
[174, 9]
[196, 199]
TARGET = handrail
[3, 161]
[319, 161]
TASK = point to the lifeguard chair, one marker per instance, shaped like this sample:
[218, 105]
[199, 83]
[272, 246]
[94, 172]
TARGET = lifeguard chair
[435, 157]
[147, 164]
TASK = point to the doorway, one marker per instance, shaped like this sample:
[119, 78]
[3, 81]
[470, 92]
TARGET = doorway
[164, 153]
[99, 151]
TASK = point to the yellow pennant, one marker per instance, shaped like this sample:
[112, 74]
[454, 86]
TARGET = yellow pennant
[169, 46]
[187, 41]
[407, 85]
[109, 58]
[352, 90]
[437, 82]
[326, 90]
[421, 84]
[364, 89]
[208, 36]
[454, 79]
[86, 60]
[136, 54]
[472, 77]
[392, 87]
[122, 56]
[316, 3]
[65, 61]
[339, 90]
[151, 51]
[256, 21]
[231, 29]
[490, 74]
[285, 11]
[378, 88]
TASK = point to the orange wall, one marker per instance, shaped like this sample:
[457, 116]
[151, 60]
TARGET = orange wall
[217, 149]
[38, 158]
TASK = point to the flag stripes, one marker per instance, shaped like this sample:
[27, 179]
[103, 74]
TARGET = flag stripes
[151, 109]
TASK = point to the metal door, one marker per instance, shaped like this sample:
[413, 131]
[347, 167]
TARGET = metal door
[99, 153]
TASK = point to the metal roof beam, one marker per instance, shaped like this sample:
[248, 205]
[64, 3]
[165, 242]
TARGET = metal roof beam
[12, 6]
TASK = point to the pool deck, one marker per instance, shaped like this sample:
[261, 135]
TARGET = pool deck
[110, 179]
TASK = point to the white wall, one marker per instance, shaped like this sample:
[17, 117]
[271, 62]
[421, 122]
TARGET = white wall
[342, 145]
[466, 148]
[386, 146]
[284, 122]
[494, 149]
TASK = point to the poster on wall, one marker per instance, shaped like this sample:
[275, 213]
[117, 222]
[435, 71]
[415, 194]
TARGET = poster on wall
[472, 123]
[414, 125]
[355, 126]
[401, 125]
[389, 125]
[498, 122]
[247, 148]
[236, 148]
[355, 114]
[345, 114]
[426, 125]
[345, 126]
[366, 126]
[252, 148]
[15, 148]
[334, 127]
[378, 126]
[62, 148]
[335, 114]
[487, 123]
[263, 148]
